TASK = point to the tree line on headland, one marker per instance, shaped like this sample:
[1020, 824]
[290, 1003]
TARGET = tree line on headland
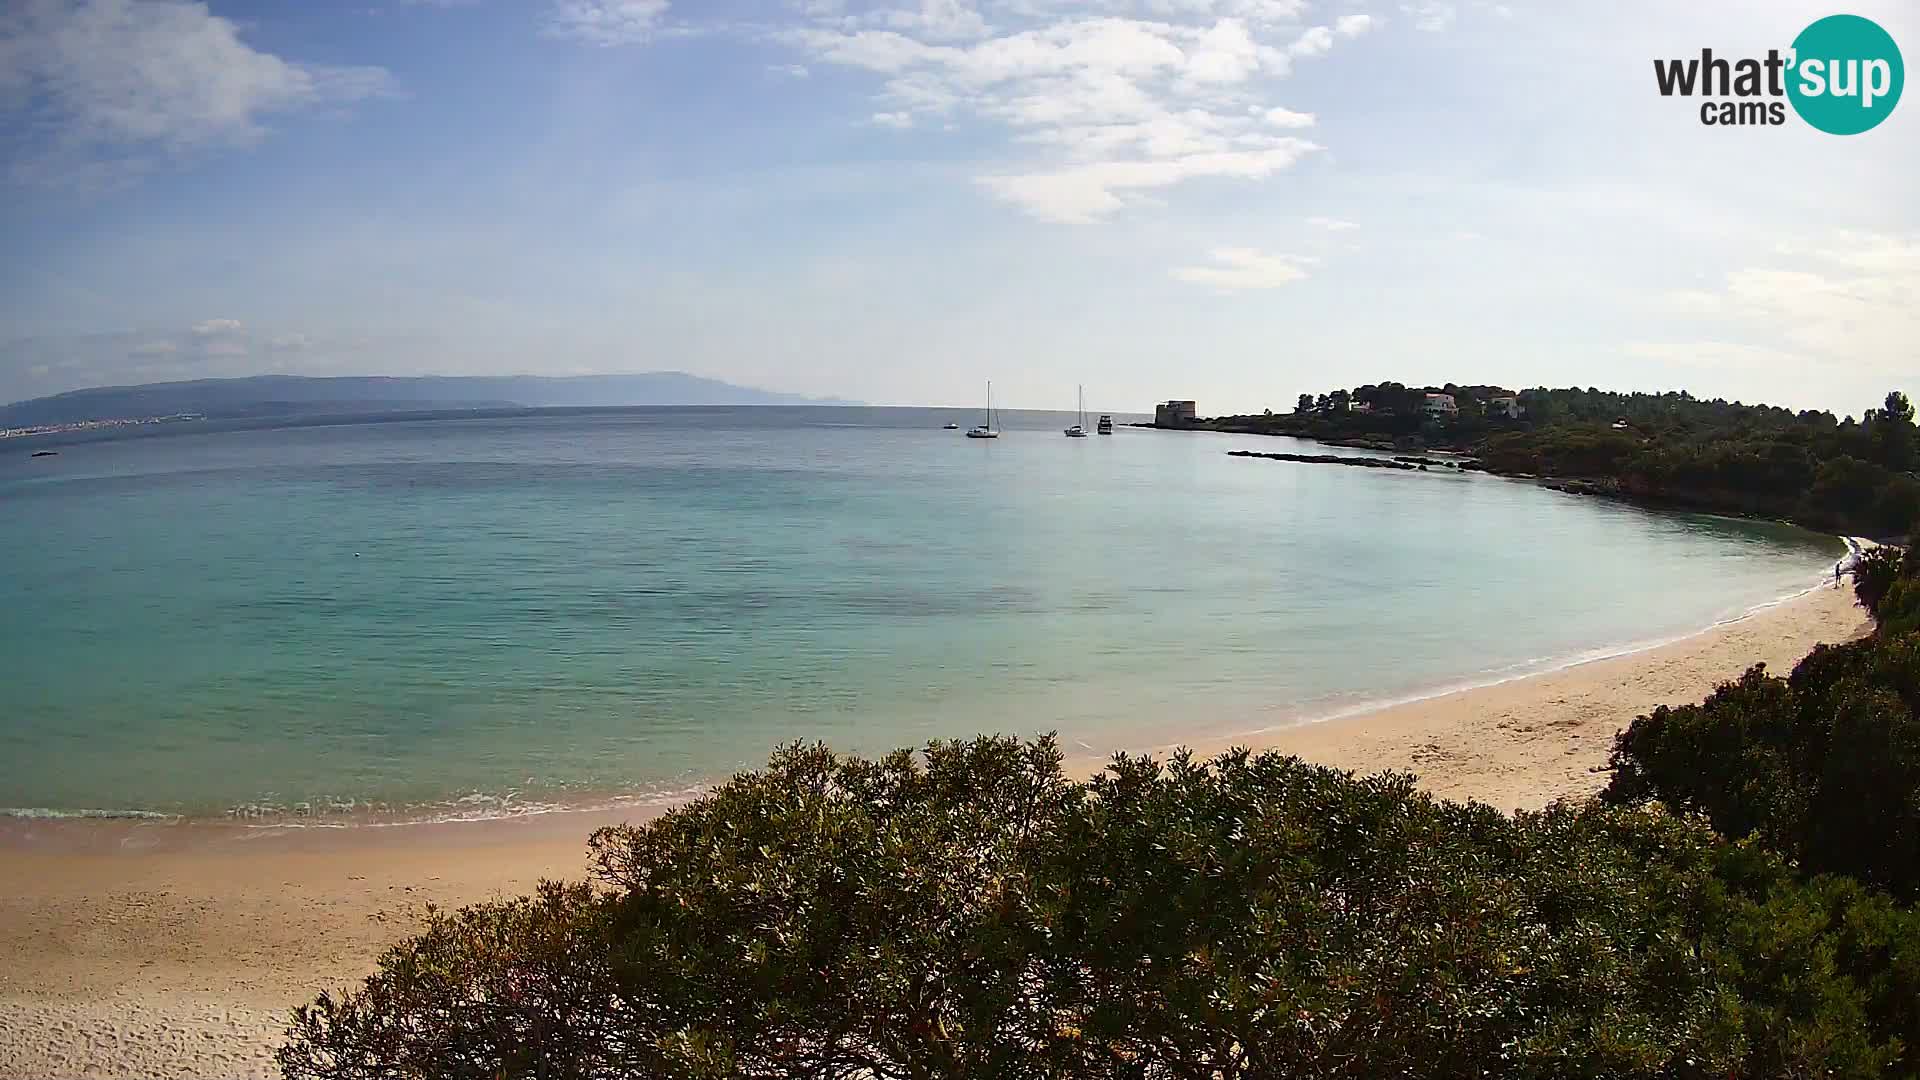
[1738, 903]
[1809, 467]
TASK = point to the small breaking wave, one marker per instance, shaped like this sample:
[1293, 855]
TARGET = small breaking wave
[42, 813]
[471, 807]
[349, 813]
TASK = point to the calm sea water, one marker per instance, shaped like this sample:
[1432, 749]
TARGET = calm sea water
[470, 615]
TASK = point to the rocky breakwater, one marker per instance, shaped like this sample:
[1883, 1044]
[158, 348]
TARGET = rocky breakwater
[1330, 459]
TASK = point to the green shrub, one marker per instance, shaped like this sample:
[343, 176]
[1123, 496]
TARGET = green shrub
[1823, 767]
[971, 913]
[1888, 585]
[1874, 573]
[1900, 609]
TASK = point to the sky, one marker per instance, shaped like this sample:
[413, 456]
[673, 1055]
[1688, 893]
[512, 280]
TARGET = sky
[1234, 201]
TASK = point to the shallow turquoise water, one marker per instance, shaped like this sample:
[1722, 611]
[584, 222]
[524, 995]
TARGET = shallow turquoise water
[460, 615]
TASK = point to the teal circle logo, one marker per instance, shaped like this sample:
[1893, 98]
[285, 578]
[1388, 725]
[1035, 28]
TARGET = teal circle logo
[1846, 75]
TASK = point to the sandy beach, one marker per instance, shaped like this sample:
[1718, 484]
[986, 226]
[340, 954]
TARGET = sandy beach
[137, 950]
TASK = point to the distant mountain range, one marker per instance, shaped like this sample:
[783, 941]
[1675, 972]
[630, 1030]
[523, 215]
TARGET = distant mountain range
[292, 395]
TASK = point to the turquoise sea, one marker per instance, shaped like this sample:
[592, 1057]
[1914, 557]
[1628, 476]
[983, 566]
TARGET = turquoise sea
[473, 615]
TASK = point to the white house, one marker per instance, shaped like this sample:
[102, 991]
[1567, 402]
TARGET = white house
[1441, 405]
[1508, 406]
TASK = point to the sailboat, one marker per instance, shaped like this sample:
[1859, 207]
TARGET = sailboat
[986, 430]
[1079, 430]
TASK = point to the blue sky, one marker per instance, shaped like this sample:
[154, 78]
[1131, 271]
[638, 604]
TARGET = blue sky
[1230, 200]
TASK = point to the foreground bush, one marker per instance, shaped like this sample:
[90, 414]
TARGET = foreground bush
[970, 913]
[1823, 766]
[1888, 586]
[1874, 572]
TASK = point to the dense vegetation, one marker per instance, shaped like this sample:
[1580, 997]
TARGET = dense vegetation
[1811, 467]
[1823, 765]
[1888, 585]
[970, 912]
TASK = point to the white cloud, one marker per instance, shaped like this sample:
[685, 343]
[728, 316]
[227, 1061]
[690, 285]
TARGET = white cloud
[791, 71]
[1719, 354]
[1265, 11]
[1086, 194]
[606, 22]
[1432, 16]
[1115, 105]
[938, 20]
[1102, 99]
[103, 88]
[1312, 42]
[1225, 53]
[1245, 268]
[217, 327]
[1850, 302]
[1332, 224]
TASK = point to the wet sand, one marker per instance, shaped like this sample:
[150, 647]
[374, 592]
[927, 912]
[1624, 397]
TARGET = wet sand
[154, 949]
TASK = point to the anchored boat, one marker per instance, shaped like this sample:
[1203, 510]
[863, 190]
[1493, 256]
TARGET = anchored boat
[1079, 430]
[986, 430]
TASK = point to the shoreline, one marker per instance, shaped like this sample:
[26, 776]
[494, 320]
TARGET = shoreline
[1526, 741]
[1588, 486]
[161, 949]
